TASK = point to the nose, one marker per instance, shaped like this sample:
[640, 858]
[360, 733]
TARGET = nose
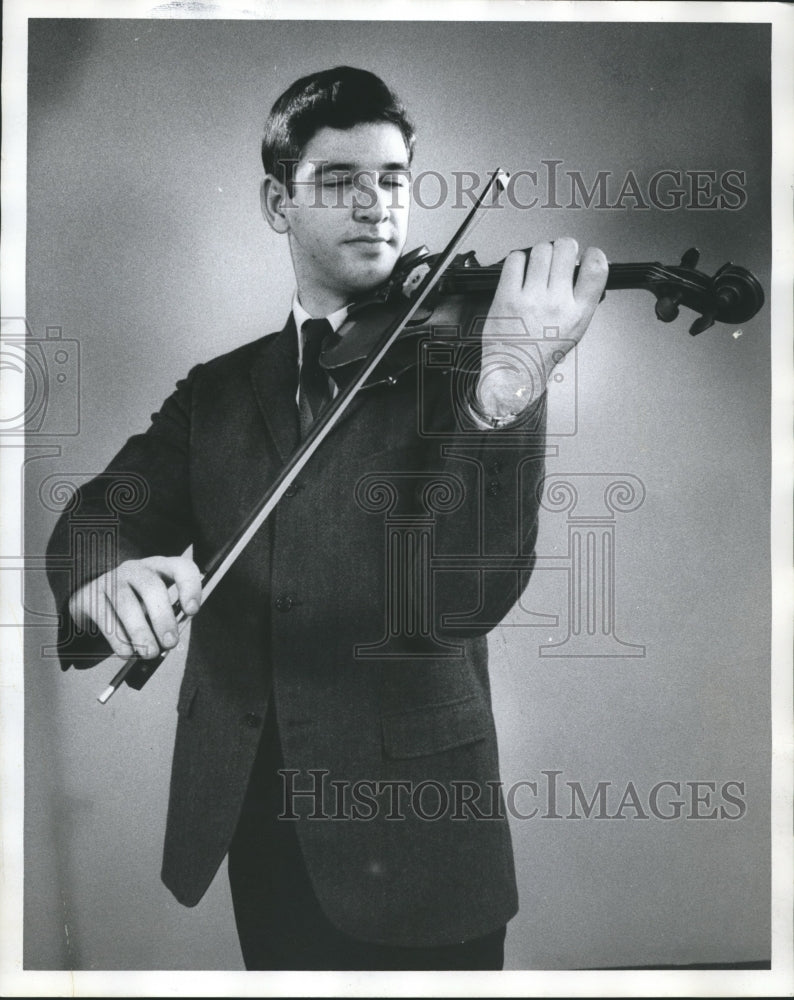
[370, 200]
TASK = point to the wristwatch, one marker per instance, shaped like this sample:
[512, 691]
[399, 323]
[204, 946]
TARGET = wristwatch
[495, 422]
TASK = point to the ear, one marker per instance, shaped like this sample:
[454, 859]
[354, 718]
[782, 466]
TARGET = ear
[274, 199]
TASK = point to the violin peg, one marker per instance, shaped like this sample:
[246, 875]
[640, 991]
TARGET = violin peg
[666, 308]
[690, 258]
[701, 324]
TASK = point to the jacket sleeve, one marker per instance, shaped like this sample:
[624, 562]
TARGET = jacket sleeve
[484, 548]
[139, 506]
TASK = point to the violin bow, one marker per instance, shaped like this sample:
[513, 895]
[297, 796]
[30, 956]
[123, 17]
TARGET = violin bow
[136, 670]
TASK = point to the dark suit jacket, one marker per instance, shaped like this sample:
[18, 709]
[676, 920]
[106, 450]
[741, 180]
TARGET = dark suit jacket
[311, 588]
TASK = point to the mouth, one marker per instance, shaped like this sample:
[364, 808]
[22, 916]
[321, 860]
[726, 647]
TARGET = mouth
[371, 240]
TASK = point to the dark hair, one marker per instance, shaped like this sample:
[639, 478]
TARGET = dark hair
[339, 98]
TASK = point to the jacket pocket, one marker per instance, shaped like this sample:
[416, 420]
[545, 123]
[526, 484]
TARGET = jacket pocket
[433, 728]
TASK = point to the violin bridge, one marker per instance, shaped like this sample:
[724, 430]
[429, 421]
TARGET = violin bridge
[414, 279]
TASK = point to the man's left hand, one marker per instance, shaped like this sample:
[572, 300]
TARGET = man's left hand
[538, 313]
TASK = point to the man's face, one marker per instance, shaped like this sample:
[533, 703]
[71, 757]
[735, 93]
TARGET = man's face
[348, 216]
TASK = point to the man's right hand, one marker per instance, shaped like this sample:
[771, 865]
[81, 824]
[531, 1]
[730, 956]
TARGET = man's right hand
[131, 604]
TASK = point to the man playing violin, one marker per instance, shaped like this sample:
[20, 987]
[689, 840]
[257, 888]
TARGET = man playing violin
[287, 710]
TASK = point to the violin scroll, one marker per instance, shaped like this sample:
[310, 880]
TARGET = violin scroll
[738, 294]
[732, 295]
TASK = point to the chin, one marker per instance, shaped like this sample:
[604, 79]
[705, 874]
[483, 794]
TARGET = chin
[368, 277]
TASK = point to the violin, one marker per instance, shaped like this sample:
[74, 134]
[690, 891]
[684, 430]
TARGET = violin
[379, 343]
[732, 295]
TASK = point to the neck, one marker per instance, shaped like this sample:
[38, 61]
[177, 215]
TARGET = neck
[318, 299]
[319, 303]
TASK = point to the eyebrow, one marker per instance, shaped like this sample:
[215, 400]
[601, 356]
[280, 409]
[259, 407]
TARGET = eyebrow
[334, 166]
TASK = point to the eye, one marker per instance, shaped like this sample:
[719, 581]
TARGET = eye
[396, 180]
[335, 180]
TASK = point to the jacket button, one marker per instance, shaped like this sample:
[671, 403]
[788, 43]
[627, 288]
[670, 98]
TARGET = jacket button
[284, 603]
[495, 467]
[253, 720]
[494, 488]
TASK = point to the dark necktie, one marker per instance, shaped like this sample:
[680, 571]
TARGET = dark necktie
[315, 387]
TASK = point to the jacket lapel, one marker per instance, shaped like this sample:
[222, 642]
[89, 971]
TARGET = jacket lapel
[274, 376]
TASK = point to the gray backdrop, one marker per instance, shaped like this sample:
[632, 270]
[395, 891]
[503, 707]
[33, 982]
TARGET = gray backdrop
[147, 249]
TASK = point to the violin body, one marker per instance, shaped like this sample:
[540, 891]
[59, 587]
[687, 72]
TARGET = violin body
[462, 314]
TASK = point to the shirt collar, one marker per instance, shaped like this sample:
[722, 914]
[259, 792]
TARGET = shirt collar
[299, 314]
[336, 319]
